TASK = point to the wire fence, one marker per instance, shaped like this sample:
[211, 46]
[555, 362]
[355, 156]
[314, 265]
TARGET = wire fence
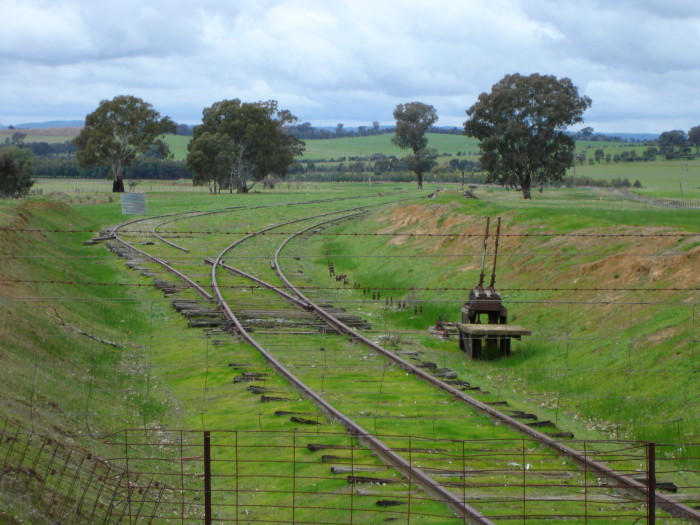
[693, 204]
[176, 476]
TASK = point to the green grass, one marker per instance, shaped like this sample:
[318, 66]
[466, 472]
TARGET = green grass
[615, 347]
[618, 370]
[366, 146]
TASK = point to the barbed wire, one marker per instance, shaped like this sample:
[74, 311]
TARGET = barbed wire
[169, 233]
[330, 256]
[372, 288]
[506, 300]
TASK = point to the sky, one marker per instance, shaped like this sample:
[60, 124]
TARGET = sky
[349, 61]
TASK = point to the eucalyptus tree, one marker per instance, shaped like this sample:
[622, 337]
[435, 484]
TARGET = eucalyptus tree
[412, 123]
[694, 138]
[117, 132]
[520, 127]
[238, 141]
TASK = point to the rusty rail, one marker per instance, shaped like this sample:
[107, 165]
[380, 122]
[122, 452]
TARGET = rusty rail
[385, 453]
[390, 457]
[671, 506]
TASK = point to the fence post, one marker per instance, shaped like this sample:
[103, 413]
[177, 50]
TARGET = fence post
[207, 477]
[651, 483]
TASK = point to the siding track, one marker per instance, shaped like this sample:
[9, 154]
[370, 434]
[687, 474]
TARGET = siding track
[391, 410]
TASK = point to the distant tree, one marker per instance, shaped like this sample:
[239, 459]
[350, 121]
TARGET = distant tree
[117, 132]
[238, 141]
[694, 138]
[650, 153]
[599, 155]
[18, 138]
[412, 122]
[520, 127]
[672, 144]
[15, 172]
[183, 129]
[586, 133]
[211, 158]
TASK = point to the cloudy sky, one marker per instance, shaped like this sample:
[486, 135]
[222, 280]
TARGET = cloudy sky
[349, 61]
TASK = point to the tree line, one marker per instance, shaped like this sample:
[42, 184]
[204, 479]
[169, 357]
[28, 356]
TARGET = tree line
[520, 126]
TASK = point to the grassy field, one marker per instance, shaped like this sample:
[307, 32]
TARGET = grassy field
[661, 178]
[611, 295]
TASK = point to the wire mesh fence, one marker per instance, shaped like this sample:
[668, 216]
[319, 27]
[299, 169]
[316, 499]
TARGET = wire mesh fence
[176, 476]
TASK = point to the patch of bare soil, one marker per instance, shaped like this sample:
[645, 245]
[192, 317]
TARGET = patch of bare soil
[637, 262]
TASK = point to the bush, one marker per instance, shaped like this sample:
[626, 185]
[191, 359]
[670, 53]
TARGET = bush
[15, 172]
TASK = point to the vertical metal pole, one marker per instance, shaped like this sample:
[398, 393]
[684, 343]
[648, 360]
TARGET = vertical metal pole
[207, 477]
[495, 254]
[651, 483]
[483, 255]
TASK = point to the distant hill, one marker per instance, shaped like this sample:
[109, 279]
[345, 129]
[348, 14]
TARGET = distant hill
[45, 125]
[43, 134]
[634, 136]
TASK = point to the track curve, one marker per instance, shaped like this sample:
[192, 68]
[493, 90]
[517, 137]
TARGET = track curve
[389, 456]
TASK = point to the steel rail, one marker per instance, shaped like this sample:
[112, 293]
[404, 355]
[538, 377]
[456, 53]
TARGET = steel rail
[385, 453]
[199, 289]
[670, 505]
[166, 241]
[673, 507]
[224, 210]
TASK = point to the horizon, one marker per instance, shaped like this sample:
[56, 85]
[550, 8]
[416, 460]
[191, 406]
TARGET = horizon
[56, 124]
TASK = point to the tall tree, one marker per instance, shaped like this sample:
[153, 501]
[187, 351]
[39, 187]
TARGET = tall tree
[15, 172]
[694, 138]
[412, 122]
[520, 127]
[238, 141]
[117, 132]
[673, 144]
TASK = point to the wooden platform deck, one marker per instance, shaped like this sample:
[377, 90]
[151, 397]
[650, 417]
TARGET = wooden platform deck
[486, 330]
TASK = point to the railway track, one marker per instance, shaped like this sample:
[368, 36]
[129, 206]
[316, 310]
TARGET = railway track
[347, 345]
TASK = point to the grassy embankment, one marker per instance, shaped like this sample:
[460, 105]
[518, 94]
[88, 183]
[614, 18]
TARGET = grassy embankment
[69, 386]
[614, 312]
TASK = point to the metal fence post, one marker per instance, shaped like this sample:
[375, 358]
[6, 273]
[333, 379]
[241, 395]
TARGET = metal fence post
[207, 477]
[651, 483]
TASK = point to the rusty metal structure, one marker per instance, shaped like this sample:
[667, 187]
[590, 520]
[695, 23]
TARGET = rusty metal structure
[484, 330]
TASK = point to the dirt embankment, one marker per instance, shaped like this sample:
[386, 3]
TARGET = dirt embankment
[642, 256]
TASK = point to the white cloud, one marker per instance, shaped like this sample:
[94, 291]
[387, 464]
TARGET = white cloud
[347, 60]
